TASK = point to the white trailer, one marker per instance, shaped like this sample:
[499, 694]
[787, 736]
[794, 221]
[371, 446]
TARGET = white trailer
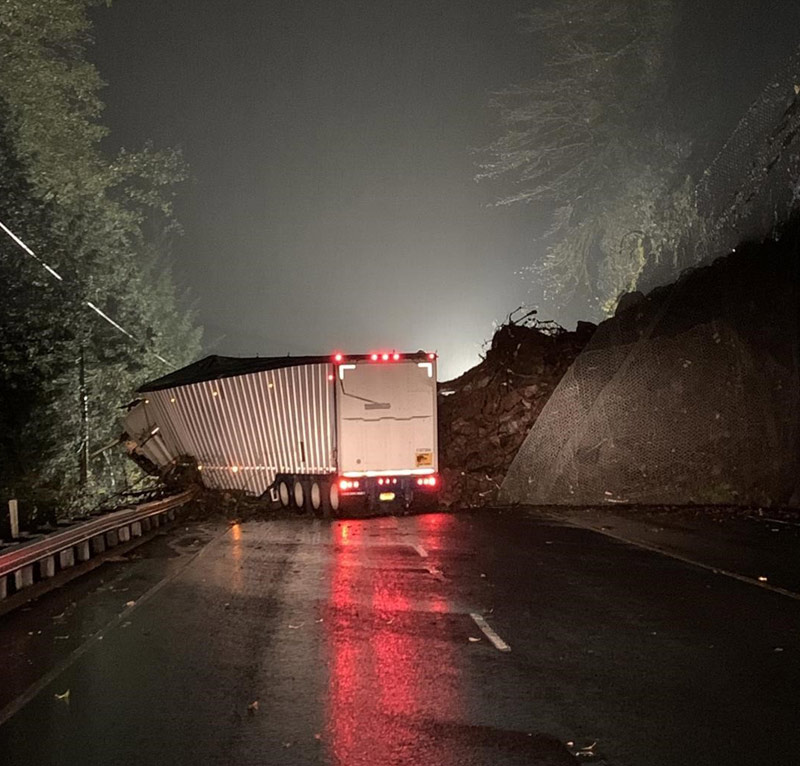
[316, 433]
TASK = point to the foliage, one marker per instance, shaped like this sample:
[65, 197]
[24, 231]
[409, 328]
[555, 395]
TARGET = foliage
[105, 225]
[587, 137]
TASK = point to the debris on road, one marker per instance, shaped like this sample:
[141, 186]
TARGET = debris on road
[485, 415]
[63, 697]
[252, 708]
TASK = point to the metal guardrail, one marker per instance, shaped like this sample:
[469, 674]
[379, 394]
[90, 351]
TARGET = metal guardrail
[82, 542]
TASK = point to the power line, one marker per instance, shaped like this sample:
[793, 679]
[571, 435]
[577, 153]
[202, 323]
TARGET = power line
[91, 305]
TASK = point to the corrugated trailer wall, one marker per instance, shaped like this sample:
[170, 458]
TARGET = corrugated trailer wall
[243, 430]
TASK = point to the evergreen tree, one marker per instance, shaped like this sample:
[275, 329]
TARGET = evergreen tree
[589, 139]
[104, 224]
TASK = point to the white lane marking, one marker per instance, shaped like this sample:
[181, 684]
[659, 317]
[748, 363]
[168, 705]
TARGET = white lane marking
[489, 633]
[421, 551]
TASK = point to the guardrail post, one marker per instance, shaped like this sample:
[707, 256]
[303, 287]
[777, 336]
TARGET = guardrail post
[98, 545]
[23, 578]
[66, 558]
[145, 525]
[47, 567]
[83, 551]
[124, 534]
[136, 529]
[13, 514]
[112, 538]
[3, 587]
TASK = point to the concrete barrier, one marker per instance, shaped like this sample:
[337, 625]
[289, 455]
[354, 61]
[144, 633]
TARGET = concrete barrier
[98, 545]
[124, 534]
[112, 538]
[136, 529]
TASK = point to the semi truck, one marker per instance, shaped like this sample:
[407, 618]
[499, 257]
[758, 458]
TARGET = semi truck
[327, 434]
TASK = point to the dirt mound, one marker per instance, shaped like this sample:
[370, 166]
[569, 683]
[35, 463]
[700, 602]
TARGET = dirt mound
[485, 415]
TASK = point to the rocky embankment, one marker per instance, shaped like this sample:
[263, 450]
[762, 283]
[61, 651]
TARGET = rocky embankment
[485, 415]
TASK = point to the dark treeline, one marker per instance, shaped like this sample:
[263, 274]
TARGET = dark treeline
[104, 224]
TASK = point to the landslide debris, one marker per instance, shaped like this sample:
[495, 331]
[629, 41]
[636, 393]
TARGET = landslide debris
[485, 415]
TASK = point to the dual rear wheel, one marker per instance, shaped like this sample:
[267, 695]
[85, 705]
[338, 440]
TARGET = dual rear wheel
[311, 494]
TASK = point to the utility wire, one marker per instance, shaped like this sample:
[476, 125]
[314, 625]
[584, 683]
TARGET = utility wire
[91, 305]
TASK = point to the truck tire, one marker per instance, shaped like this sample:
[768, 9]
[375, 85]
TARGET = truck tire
[315, 496]
[299, 495]
[333, 498]
[283, 494]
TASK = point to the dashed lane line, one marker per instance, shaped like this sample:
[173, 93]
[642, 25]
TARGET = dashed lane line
[421, 551]
[489, 633]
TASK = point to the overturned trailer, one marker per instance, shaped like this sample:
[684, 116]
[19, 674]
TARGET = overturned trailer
[316, 432]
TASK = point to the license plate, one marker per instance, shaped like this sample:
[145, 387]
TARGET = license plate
[386, 496]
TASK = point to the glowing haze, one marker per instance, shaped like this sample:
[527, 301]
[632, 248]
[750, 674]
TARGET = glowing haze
[333, 204]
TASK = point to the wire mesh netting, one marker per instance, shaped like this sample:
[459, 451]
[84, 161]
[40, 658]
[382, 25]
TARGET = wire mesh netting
[690, 395]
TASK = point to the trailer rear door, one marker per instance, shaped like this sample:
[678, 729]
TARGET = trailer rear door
[386, 417]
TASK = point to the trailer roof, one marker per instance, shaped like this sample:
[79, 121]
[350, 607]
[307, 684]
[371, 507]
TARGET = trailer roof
[216, 367]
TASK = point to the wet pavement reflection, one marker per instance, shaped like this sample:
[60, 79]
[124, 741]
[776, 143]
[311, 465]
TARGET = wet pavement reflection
[390, 652]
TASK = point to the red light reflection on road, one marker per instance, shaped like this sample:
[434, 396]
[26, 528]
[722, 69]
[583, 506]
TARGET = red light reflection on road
[385, 678]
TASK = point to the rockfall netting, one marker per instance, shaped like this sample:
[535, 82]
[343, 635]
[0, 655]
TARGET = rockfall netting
[688, 395]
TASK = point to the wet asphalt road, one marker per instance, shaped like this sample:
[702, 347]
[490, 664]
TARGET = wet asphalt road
[356, 640]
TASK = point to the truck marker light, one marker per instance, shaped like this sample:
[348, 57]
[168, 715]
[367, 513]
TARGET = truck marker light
[374, 357]
[431, 356]
[338, 357]
[234, 469]
[395, 357]
[385, 357]
[330, 377]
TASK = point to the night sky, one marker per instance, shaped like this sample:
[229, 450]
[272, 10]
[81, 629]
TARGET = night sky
[332, 202]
